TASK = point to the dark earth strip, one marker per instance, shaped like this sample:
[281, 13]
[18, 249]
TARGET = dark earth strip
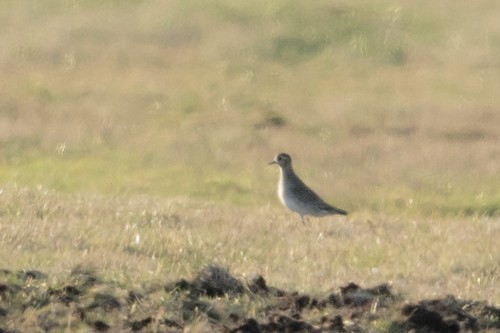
[217, 301]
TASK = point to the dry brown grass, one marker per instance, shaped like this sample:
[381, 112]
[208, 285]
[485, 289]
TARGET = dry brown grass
[139, 239]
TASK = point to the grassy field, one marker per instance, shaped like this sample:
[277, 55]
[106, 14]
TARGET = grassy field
[135, 136]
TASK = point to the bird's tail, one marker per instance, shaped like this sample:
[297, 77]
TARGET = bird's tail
[338, 211]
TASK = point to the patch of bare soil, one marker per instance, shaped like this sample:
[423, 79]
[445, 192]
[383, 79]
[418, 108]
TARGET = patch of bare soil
[216, 301]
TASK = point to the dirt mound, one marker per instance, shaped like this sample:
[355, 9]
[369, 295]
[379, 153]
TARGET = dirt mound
[211, 281]
[450, 315]
[217, 301]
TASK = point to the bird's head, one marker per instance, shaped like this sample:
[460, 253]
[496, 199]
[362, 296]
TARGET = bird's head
[282, 159]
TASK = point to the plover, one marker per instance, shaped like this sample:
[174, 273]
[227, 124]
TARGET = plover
[297, 196]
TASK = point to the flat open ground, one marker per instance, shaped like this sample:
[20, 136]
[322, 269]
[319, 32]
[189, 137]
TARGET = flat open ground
[135, 137]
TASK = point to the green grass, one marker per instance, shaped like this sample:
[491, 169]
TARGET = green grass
[157, 119]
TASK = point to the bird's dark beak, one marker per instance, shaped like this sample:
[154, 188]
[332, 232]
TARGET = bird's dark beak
[273, 162]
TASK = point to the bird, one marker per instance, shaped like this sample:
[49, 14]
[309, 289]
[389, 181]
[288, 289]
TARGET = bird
[295, 195]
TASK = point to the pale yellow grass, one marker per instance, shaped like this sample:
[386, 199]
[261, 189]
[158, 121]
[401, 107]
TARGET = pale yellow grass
[142, 240]
[141, 122]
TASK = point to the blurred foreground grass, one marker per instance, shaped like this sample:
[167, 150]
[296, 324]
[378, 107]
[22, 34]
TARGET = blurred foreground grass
[390, 111]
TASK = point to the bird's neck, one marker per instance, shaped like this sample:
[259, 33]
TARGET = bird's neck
[287, 172]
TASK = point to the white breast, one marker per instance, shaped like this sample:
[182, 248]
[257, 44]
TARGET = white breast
[286, 199]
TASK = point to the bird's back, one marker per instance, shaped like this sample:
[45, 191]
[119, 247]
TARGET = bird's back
[297, 196]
